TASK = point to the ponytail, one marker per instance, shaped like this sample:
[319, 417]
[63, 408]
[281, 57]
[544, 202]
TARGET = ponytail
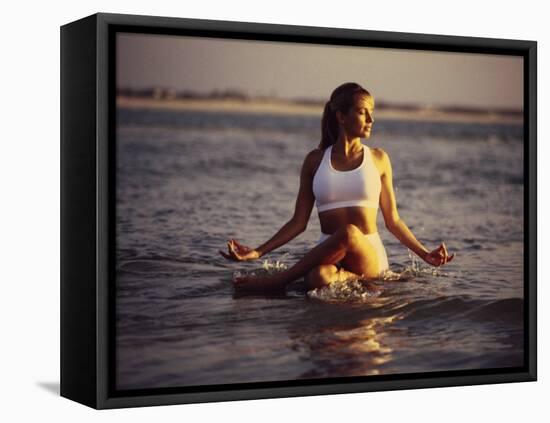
[329, 127]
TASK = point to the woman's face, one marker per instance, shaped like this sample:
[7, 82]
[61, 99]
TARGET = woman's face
[359, 119]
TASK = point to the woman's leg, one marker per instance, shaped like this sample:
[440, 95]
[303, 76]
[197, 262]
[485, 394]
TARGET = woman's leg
[347, 245]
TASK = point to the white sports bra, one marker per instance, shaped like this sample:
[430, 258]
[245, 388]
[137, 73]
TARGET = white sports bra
[359, 187]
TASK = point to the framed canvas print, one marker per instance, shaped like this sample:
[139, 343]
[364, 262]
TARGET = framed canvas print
[255, 210]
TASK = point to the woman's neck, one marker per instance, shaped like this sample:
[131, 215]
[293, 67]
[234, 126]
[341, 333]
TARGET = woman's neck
[348, 147]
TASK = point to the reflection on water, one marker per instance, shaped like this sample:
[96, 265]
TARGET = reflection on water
[368, 339]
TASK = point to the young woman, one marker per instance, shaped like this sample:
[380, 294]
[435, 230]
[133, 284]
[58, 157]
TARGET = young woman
[347, 181]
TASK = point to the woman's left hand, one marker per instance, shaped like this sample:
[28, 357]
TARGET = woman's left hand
[439, 256]
[238, 252]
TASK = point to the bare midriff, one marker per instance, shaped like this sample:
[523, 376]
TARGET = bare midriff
[362, 217]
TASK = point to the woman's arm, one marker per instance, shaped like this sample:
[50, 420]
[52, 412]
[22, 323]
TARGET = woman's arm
[302, 209]
[388, 206]
[291, 229]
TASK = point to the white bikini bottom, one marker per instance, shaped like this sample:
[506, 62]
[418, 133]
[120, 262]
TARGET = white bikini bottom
[376, 243]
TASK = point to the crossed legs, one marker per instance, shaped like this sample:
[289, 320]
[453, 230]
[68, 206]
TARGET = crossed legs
[347, 246]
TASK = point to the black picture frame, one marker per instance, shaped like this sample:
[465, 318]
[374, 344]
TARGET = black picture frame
[87, 198]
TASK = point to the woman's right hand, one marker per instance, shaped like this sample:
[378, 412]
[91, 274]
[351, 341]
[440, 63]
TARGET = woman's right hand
[239, 252]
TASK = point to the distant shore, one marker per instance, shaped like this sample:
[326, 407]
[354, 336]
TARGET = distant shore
[291, 108]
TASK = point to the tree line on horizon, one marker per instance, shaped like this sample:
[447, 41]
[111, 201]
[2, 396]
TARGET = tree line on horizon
[162, 93]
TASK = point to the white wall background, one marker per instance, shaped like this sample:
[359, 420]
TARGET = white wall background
[29, 247]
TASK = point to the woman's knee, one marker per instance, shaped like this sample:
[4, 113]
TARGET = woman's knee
[320, 276]
[350, 233]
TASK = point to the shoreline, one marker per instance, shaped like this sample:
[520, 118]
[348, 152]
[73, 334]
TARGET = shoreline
[288, 108]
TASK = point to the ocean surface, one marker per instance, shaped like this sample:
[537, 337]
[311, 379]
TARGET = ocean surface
[189, 181]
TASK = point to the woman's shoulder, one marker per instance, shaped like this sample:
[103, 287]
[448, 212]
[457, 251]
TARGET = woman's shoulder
[313, 160]
[379, 154]
[381, 160]
[314, 156]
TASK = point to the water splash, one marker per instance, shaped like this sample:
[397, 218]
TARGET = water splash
[416, 268]
[268, 268]
[419, 268]
[346, 291]
[392, 276]
[274, 267]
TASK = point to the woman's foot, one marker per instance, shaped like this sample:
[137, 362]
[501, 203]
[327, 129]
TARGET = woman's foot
[258, 283]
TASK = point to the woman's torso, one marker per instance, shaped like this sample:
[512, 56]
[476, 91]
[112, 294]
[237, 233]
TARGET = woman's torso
[347, 169]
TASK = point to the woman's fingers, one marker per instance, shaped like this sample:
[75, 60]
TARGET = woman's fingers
[227, 256]
[232, 254]
[445, 252]
[243, 249]
[442, 254]
[236, 247]
[439, 256]
[231, 247]
[235, 251]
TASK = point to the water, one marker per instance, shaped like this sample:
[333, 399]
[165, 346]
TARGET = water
[188, 181]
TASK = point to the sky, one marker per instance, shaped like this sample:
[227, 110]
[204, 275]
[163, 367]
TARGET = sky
[296, 70]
